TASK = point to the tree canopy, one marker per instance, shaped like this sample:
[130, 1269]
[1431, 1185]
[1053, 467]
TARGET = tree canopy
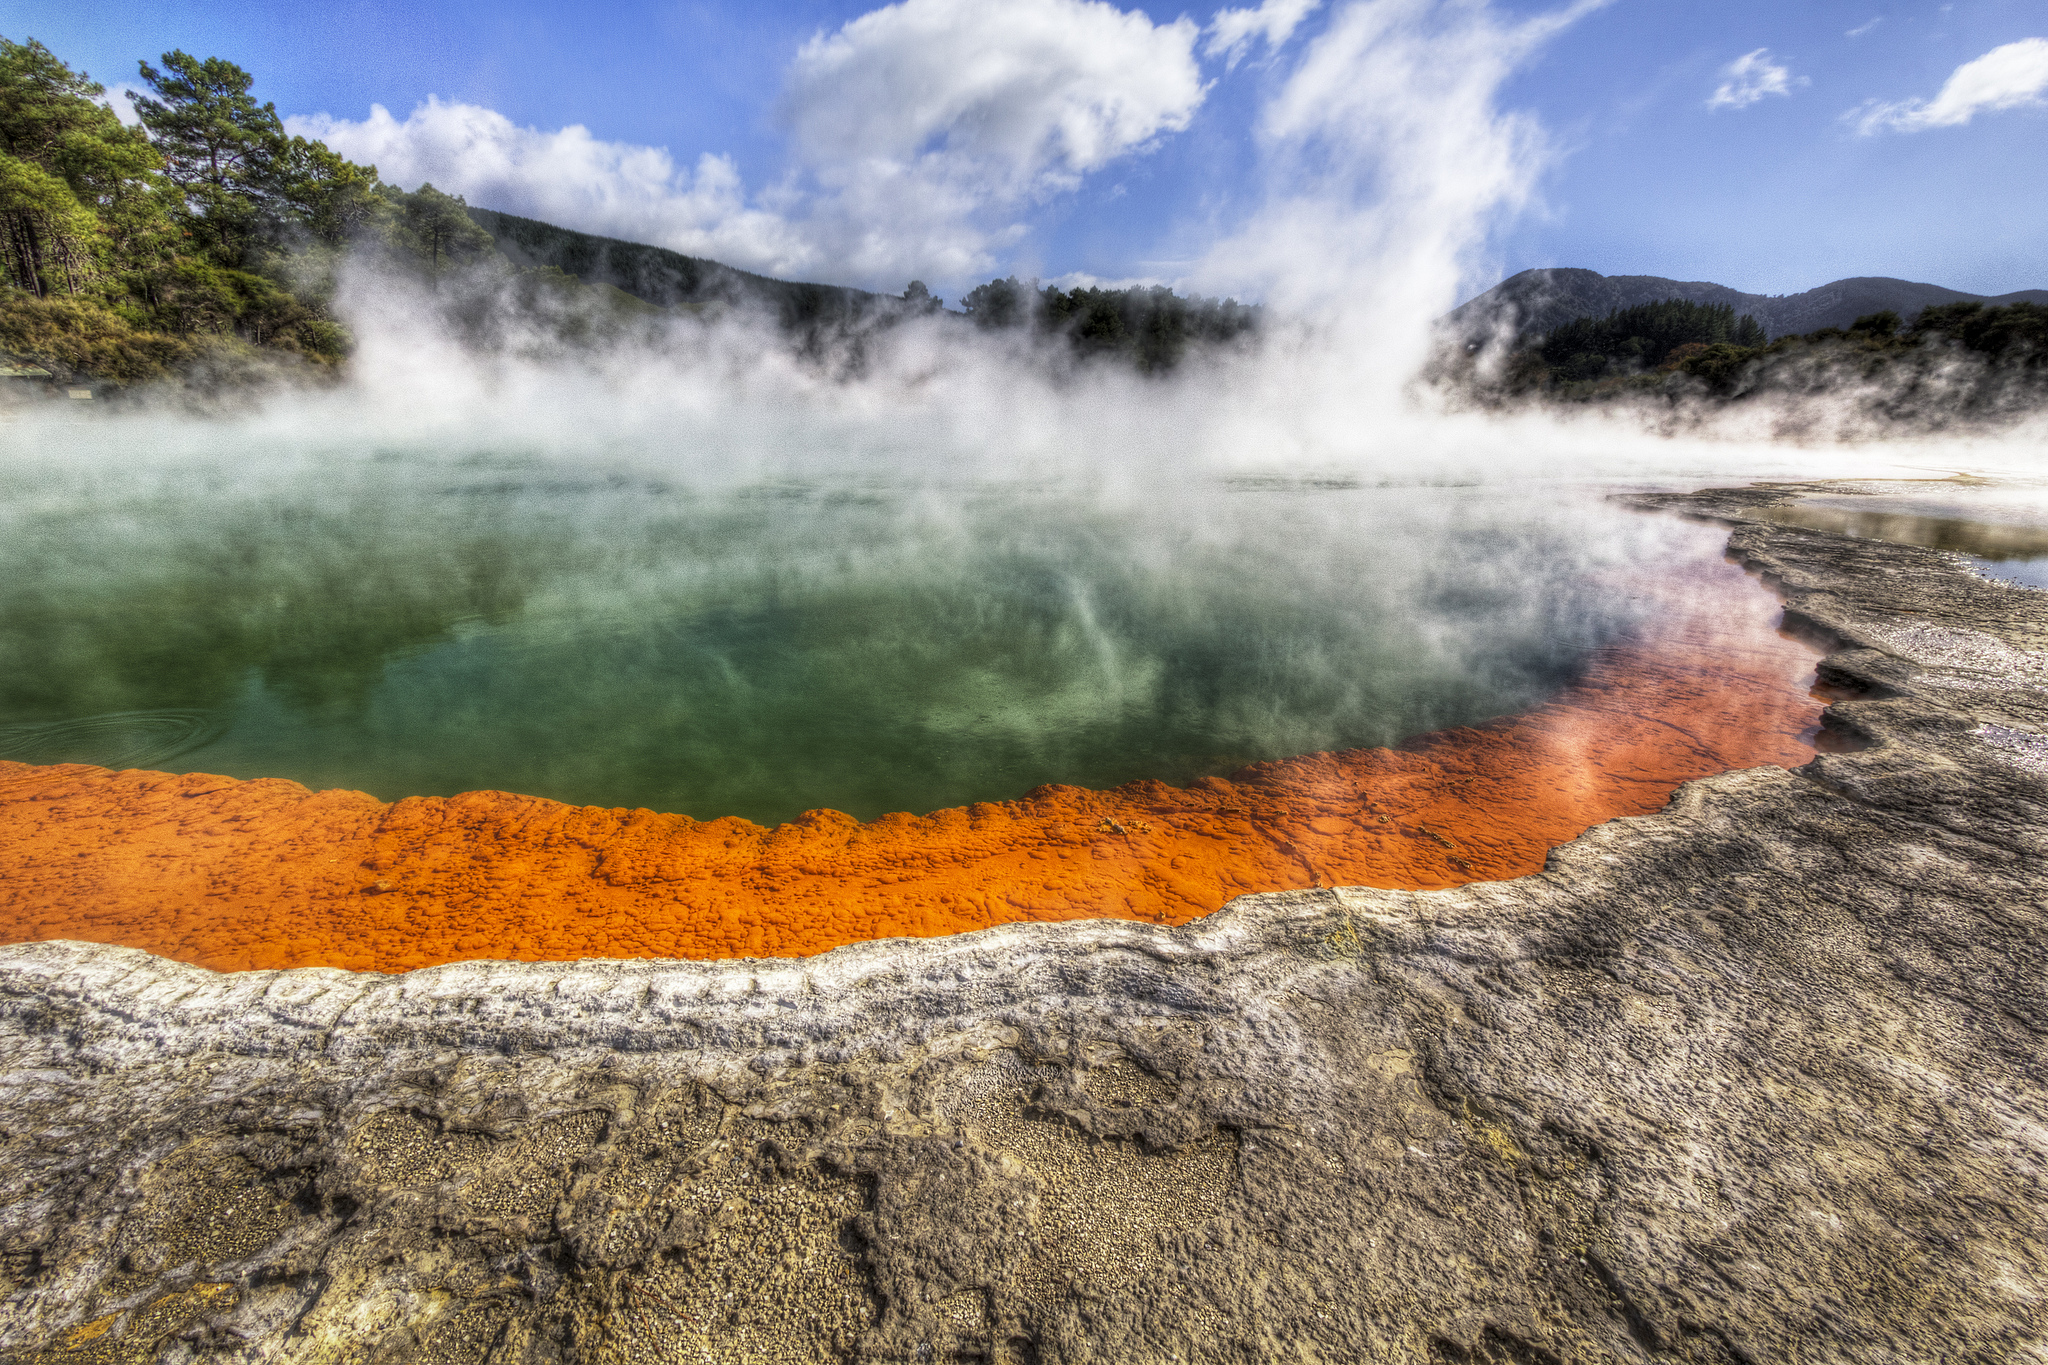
[1633, 339]
[1151, 326]
[208, 225]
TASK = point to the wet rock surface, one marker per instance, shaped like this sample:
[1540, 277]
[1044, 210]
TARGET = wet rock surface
[1756, 1078]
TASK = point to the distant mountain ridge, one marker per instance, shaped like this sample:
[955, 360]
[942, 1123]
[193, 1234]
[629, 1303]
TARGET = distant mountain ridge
[1535, 301]
[1541, 300]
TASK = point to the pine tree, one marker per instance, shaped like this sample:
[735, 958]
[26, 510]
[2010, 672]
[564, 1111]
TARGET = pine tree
[219, 146]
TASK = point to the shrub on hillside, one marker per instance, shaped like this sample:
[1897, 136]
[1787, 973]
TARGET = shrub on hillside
[83, 336]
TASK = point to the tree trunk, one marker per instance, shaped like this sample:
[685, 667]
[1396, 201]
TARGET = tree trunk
[27, 262]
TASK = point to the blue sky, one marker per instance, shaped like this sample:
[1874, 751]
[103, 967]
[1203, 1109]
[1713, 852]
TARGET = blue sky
[1832, 153]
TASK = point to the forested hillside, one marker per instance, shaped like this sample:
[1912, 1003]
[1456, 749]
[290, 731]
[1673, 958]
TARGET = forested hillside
[1954, 362]
[1150, 327]
[1539, 301]
[207, 244]
[1629, 339]
[670, 279]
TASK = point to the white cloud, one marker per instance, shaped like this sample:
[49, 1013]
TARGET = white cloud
[571, 178]
[120, 98]
[2010, 77]
[1082, 279]
[925, 125]
[1750, 78]
[917, 131]
[1232, 30]
[1013, 98]
[1861, 29]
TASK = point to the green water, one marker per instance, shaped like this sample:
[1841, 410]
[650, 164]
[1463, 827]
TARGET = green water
[407, 624]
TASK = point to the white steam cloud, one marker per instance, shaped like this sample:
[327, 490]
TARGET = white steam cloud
[1389, 159]
[1392, 164]
[2014, 76]
[1753, 77]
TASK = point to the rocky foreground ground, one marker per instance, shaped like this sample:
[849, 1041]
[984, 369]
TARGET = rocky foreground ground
[1759, 1078]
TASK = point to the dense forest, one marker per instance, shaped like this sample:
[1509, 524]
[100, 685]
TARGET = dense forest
[1629, 339]
[1152, 327]
[1541, 300]
[205, 236]
[1950, 362]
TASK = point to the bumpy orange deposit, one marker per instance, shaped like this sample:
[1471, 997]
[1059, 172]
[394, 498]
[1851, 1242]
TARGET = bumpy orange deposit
[244, 874]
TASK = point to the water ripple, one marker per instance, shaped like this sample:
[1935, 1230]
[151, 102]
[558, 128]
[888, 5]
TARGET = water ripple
[118, 739]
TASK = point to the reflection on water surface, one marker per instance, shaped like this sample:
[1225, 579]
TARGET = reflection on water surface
[2000, 537]
[410, 625]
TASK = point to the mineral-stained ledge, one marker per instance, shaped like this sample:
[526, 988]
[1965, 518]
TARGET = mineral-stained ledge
[1759, 1078]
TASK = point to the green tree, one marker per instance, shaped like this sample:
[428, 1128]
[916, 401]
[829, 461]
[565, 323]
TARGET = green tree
[49, 233]
[1150, 326]
[999, 303]
[1722, 365]
[1632, 339]
[439, 229]
[219, 146]
[2016, 332]
[53, 125]
[192, 236]
[331, 198]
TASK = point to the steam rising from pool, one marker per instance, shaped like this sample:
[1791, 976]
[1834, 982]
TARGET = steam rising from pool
[406, 623]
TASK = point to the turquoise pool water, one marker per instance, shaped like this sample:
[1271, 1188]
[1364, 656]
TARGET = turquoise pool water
[401, 622]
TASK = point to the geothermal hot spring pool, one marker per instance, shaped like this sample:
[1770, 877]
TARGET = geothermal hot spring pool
[1048, 699]
[420, 628]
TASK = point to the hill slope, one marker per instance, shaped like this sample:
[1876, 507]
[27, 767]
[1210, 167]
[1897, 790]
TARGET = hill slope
[669, 278]
[1539, 300]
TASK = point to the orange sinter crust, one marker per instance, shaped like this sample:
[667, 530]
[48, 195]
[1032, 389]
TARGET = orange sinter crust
[253, 874]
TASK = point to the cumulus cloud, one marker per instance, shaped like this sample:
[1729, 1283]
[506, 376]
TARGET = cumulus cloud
[1750, 78]
[917, 132]
[923, 126]
[1232, 30]
[571, 177]
[1014, 98]
[2010, 77]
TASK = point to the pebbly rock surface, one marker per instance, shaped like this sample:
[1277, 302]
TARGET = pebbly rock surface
[1758, 1078]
